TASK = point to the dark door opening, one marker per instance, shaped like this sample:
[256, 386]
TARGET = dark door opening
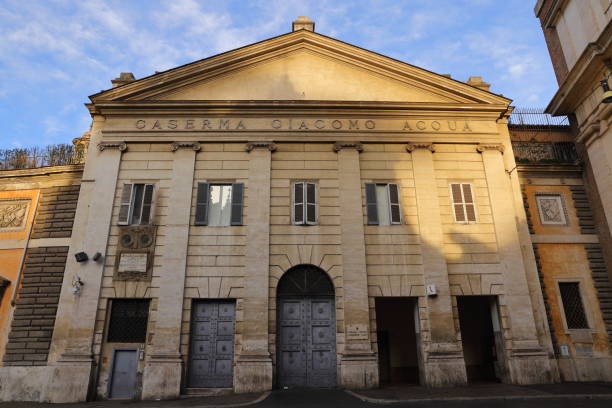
[397, 340]
[477, 337]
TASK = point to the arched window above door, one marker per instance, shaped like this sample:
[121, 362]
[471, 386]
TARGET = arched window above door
[305, 280]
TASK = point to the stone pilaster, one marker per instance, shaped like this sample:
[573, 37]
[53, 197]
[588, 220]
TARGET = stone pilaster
[443, 359]
[359, 368]
[163, 367]
[528, 361]
[71, 352]
[253, 371]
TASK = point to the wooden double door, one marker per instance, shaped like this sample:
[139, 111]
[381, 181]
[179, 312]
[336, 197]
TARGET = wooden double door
[211, 351]
[306, 342]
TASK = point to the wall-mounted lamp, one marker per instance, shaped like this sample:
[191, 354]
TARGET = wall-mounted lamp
[77, 283]
[81, 257]
[607, 96]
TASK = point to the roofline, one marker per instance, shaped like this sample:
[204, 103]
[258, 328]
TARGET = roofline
[292, 33]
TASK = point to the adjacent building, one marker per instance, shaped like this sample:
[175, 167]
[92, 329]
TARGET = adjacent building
[304, 212]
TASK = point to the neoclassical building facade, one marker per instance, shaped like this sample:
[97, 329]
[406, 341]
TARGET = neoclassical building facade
[296, 212]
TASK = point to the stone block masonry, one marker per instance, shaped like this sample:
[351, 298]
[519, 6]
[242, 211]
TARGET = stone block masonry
[36, 306]
[56, 211]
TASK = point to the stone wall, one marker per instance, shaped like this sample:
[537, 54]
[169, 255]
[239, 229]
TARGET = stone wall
[34, 314]
[55, 213]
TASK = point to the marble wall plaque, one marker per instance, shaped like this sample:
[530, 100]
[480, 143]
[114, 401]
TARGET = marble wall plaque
[133, 262]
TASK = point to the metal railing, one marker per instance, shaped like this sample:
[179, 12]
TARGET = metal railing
[535, 117]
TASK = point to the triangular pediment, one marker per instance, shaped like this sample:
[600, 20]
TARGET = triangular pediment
[301, 65]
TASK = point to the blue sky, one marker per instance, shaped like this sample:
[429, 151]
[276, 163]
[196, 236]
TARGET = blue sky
[55, 53]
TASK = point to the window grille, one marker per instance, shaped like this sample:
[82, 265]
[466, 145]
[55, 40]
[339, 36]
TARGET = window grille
[572, 305]
[128, 321]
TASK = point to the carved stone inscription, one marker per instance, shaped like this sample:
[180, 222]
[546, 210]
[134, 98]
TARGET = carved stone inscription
[132, 262]
[13, 215]
[304, 125]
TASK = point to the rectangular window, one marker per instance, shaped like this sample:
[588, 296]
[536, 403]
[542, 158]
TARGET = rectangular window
[136, 203]
[304, 203]
[572, 305]
[382, 203]
[219, 204]
[551, 209]
[128, 321]
[463, 202]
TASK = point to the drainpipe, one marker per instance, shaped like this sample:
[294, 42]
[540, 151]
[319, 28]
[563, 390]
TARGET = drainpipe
[25, 249]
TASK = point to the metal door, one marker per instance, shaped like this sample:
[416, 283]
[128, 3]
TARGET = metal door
[307, 342]
[123, 380]
[212, 345]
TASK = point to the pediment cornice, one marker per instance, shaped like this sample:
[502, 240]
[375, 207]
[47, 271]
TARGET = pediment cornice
[166, 82]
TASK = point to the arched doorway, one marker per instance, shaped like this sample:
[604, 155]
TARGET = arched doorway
[306, 329]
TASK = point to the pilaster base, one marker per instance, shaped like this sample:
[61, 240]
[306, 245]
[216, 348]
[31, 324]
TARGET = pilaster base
[530, 366]
[444, 366]
[69, 379]
[253, 373]
[162, 377]
[359, 371]
[585, 368]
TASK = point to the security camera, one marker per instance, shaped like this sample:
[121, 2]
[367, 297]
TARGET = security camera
[607, 95]
[81, 257]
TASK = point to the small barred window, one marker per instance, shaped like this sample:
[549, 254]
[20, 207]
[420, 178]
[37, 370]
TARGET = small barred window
[572, 305]
[128, 321]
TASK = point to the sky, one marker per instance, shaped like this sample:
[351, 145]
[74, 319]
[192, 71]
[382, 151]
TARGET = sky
[55, 53]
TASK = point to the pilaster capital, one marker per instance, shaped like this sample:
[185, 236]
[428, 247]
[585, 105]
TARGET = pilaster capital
[185, 145]
[410, 147]
[121, 146]
[481, 148]
[260, 145]
[348, 145]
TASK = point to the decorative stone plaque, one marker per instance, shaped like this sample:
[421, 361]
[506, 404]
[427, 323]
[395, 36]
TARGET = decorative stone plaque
[356, 332]
[130, 262]
[551, 209]
[135, 251]
[13, 214]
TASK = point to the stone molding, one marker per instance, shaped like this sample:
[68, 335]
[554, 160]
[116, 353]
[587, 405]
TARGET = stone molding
[493, 146]
[185, 145]
[410, 147]
[261, 145]
[122, 147]
[348, 145]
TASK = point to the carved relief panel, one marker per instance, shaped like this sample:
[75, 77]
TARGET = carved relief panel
[13, 214]
[135, 251]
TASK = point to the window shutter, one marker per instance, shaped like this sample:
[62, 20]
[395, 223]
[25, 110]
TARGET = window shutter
[457, 202]
[298, 203]
[468, 199]
[147, 203]
[394, 204]
[124, 207]
[237, 199]
[311, 203]
[372, 210]
[201, 216]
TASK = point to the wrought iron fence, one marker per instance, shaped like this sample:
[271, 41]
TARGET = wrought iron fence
[536, 117]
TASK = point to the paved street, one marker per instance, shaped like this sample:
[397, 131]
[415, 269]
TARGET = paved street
[333, 398]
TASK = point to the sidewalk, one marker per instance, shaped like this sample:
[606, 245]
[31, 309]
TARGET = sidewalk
[405, 393]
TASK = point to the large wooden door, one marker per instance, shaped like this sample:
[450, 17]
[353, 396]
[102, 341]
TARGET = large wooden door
[307, 342]
[211, 345]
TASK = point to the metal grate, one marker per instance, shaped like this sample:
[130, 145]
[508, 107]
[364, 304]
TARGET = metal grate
[572, 305]
[128, 321]
[305, 280]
